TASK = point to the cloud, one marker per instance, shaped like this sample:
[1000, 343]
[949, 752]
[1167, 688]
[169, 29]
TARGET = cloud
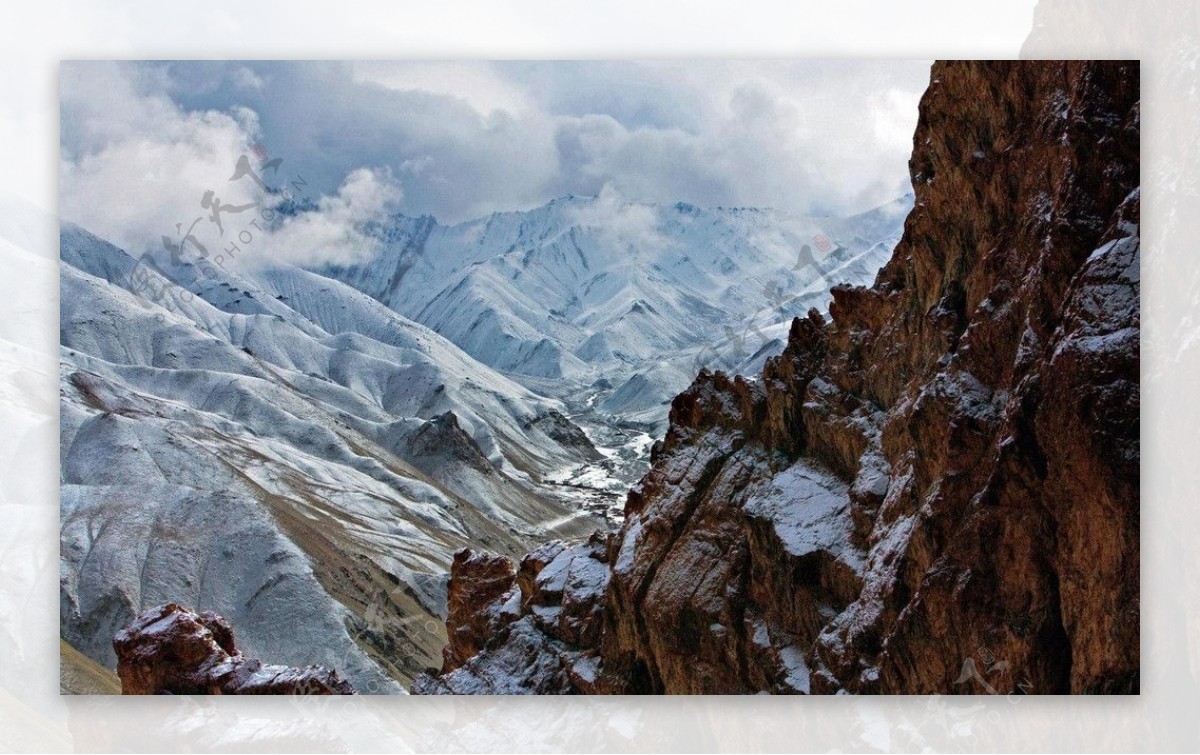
[142, 171]
[334, 232]
[888, 112]
[134, 165]
[810, 137]
[625, 228]
[470, 138]
[474, 83]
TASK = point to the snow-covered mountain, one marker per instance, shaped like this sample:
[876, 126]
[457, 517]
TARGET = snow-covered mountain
[582, 284]
[309, 448]
[614, 306]
[289, 452]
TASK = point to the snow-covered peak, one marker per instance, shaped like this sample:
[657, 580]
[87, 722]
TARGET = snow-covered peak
[583, 289]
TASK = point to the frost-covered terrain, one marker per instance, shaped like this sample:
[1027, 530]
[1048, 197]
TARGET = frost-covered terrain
[291, 454]
[303, 451]
[614, 306]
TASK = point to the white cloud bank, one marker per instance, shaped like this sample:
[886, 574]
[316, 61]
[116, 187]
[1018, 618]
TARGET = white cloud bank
[628, 229]
[334, 232]
[136, 167]
[142, 142]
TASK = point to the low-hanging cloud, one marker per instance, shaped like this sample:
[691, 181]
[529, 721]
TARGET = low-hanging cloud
[145, 173]
[335, 231]
[628, 229]
[135, 165]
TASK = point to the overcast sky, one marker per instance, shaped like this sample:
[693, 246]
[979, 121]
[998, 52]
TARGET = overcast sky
[141, 142]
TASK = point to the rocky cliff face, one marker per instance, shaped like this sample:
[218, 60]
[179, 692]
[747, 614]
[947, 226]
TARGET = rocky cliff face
[170, 650]
[936, 491]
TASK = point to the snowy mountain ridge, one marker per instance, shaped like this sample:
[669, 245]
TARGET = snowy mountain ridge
[282, 448]
[613, 306]
[569, 289]
[310, 447]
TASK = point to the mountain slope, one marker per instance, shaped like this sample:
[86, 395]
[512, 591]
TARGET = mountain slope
[934, 491]
[613, 306]
[349, 450]
[277, 448]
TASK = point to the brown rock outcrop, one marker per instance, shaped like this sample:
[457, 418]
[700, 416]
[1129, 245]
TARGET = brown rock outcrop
[539, 634]
[171, 650]
[937, 490]
[477, 580]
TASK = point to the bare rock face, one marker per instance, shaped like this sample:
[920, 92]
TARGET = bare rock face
[477, 580]
[443, 438]
[171, 650]
[934, 492]
[537, 636]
